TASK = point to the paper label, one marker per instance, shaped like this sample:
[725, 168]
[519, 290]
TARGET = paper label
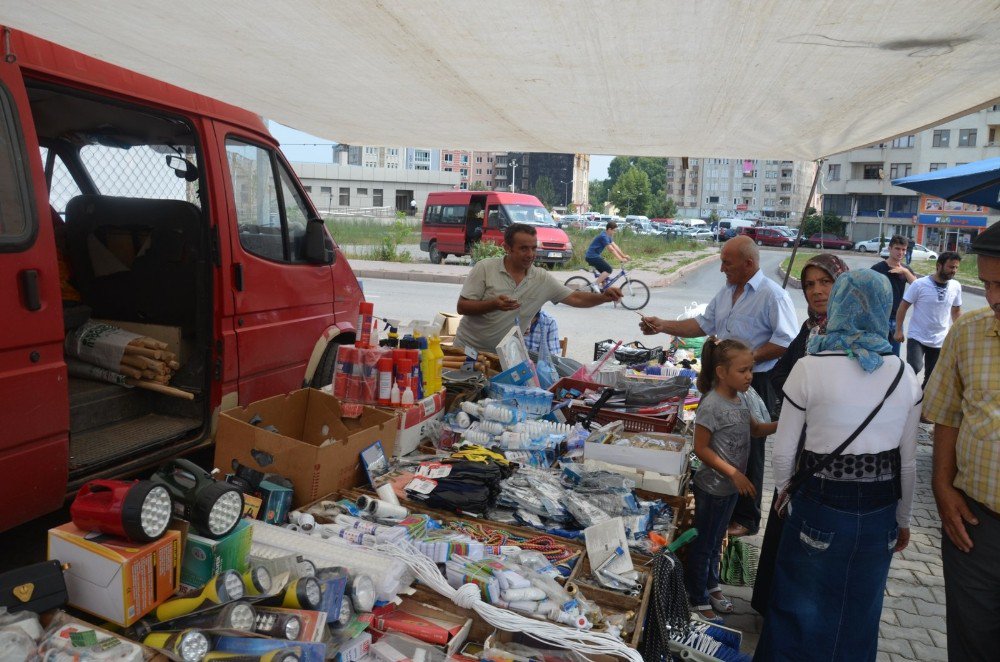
[434, 470]
[83, 638]
[430, 404]
[421, 485]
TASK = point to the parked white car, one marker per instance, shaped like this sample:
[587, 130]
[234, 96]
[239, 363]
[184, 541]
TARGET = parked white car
[920, 252]
[868, 246]
[703, 234]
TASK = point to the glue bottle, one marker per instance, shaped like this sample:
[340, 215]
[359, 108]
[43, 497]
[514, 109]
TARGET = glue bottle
[385, 383]
[366, 312]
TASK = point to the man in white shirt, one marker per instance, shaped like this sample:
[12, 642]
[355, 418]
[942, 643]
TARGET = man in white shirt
[937, 302]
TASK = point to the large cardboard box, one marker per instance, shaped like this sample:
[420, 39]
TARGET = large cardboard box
[316, 447]
[116, 579]
[651, 459]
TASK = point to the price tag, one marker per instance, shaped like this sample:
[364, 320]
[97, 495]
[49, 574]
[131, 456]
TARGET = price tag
[434, 470]
[429, 404]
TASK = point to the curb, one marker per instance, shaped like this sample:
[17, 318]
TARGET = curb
[675, 276]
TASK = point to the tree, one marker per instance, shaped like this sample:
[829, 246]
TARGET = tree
[571, 208]
[662, 207]
[829, 223]
[478, 185]
[655, 169]
[631, 192]
[713, 217]
[598, 193]
[545, 191]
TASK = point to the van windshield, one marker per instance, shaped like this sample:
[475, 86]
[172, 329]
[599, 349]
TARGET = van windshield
[528, 214]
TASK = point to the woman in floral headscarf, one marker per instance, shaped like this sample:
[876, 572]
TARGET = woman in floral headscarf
[817, 278]
[851, 510]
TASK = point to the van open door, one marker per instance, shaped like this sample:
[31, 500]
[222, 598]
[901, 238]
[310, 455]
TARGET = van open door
[34, 400]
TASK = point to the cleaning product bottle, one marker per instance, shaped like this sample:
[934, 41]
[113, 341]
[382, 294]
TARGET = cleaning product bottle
[437, 362]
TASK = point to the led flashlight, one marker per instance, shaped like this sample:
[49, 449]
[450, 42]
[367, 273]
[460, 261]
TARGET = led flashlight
[232, 616]
[344, 616]
[213, 507]
[188, 645]
[361, 590]
[301, 593]
[224, 587]
[278, 625]
[257, 581]
[138, 510]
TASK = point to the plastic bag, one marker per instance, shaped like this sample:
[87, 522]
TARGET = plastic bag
[547, 375]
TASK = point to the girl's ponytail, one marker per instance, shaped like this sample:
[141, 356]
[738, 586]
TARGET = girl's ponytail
[706, 378]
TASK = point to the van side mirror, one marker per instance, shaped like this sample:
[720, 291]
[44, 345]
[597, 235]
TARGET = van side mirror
[317, 250]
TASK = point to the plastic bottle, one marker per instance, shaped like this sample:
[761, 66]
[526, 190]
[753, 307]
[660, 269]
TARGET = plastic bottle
[406, 397]
[437, 362]
[385, 380]
[394, 396]
[416, 378]
[366, 312]
[404, 369]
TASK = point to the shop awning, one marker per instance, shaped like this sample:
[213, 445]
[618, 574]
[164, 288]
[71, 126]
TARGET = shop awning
[769, 79]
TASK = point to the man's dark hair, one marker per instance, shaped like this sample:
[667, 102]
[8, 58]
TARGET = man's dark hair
[611, 225]
[898, 240]
[947, 257]
[514, 228]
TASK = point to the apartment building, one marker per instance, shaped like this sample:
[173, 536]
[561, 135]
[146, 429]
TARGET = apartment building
[569, 174]
[749, 188]
[857, 184]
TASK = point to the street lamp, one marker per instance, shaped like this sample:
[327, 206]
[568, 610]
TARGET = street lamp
[565, 193]
[513, 176]
[881, 237]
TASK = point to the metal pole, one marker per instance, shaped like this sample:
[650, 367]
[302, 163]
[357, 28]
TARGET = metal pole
[798, 237]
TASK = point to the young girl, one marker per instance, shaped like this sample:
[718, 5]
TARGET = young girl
[723, 428]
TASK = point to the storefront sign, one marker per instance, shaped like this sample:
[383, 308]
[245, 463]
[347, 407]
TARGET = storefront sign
[955, 221]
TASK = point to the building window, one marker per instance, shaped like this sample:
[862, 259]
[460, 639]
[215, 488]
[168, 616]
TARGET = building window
[464, 186]
[942, 137]
[448, 158]
[421, 167]
[464, 172]
[309, 189]
[903, 141]
[489, 171]
[325, 189]
[465, 158]
[448, 170]
[376, 197]
[903, 204]
[712, 199]
[422, 154]
[833, 172]
[479, 159]
[393, 151]
[872, 171]
[937, 166]
[966, 137]
[479, 171]
[899, 170]
[362, 191]
[345, 196]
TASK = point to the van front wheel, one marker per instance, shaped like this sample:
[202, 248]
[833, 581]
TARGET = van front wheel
[434, 253]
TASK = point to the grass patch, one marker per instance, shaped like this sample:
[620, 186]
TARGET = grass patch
[642, 249]
[371, 232]
[968, 269]
[801, 257]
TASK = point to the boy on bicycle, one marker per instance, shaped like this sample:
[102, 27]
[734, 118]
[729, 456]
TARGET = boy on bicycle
[597, 246]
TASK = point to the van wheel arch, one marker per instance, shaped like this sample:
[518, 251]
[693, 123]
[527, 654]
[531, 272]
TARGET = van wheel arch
[433, 253]
[323, 373]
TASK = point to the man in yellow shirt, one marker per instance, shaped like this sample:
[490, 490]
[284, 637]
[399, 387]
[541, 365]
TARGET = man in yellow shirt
[962, 399]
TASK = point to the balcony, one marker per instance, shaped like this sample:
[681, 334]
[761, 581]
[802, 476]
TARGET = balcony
[864, 186]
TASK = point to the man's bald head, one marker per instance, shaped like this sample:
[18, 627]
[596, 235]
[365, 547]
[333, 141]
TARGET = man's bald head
[740, 260]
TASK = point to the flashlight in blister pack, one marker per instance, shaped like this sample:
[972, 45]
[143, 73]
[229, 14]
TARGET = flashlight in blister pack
[231, 616]
[187, 645]
[278, 625]
[301, 593]
[257, 581]
[224, 587]
[359, 588]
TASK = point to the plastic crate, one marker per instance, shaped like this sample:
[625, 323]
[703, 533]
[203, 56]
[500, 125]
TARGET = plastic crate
[630, 354]
[561, 387]
[633, 422]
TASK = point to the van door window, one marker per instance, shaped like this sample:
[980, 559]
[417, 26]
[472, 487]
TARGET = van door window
[16, 225]
[62, 186]
[141, 171]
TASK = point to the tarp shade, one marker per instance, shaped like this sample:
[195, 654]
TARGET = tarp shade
[787, 79]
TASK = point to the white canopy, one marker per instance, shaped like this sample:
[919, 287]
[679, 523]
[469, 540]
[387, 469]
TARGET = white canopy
[790, 79]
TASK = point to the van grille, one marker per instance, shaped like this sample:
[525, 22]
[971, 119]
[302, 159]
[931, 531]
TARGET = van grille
[553, 245]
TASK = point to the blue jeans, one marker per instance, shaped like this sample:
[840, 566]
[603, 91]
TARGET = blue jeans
[711, 518]
[892, 339]
[829, 579]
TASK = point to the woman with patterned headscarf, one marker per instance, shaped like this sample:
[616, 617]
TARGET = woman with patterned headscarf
[817, 279]
[850, 504]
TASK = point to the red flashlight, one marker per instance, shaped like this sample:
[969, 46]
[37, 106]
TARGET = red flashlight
[138, 510]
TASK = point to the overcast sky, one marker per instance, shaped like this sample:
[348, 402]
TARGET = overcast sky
[299, 146]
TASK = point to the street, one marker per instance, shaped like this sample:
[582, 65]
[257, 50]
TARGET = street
[411, 300]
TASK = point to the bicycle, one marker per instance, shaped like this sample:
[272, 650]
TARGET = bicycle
[635, 293]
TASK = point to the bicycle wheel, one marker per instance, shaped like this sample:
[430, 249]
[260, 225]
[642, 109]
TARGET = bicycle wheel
[635, 294]
[578, 283]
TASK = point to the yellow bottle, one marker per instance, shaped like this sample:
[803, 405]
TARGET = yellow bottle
[436, 362]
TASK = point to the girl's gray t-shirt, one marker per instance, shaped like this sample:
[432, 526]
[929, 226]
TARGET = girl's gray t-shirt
[729, 423]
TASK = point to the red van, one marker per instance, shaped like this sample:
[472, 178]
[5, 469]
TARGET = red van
[131, 200]
[454, 220]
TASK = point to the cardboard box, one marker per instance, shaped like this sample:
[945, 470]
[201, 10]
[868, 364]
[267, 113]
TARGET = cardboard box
[315, 446]
[115, 579]
[204, 557]
[449, 323]
[650, 459]
[423, 622]
[414, 422]
[651, 481]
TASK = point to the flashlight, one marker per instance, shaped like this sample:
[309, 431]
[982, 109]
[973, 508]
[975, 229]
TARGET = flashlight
[224, 587]
[213, 507]
[232, 616]
[344, 616]
[278, 625]
[301, 593]
[187, 645]
[257, 581]
[290, 654]
[361, 588]
[138, 510]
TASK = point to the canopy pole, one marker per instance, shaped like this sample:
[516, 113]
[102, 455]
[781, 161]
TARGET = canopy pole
[798, 237]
